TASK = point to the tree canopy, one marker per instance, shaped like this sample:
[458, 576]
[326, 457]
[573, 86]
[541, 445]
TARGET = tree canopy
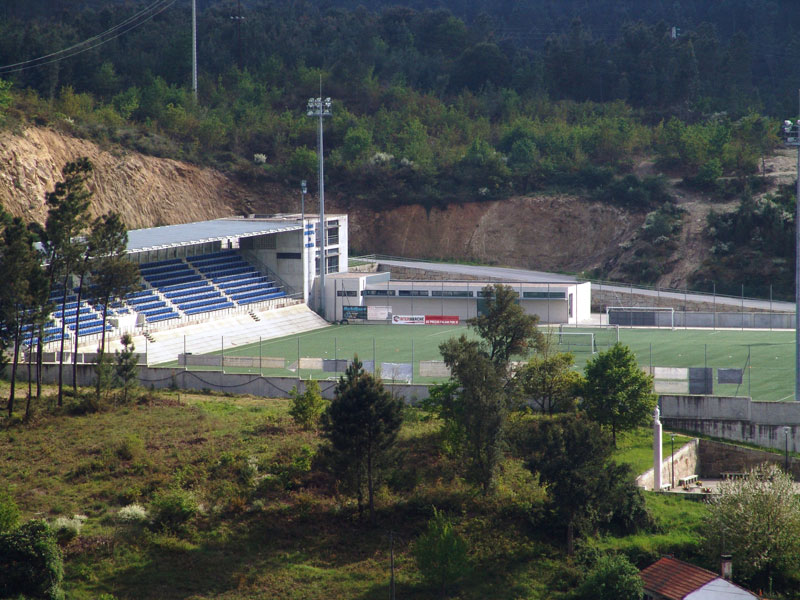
[756, 519]
[617, 393]
[361, 425]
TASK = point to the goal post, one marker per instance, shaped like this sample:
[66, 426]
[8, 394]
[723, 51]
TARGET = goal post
[575, 341]
[641, 316]
[605, 336]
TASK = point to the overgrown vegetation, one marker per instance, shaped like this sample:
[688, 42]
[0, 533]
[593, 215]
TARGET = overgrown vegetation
[227, 485]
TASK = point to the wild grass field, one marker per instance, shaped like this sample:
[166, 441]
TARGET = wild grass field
[266, 523]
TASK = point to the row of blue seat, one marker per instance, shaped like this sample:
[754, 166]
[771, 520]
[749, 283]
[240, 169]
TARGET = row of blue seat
[168, 273]
[163, 317]
[190, 301]
[194, 311]
[203, 303]
[158, 263]
[255, 293]
[195, 288]
[261, 298]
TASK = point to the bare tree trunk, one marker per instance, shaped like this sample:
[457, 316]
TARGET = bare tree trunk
[30, 374]
[571, 537]
[370, 485]
[61, 350]
[13, 372]
[77, 332]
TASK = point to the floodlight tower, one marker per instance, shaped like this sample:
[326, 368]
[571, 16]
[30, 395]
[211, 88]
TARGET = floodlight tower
[321, 107]
[791, 133]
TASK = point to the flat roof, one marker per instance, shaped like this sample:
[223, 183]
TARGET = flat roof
[189, 234]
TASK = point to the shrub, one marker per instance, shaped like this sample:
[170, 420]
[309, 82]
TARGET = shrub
[441, 553]
[174, 508]
[66, 529]
[132, 513]
[31, 563]
[130, 447]
[612, 578]
[307, 408]
[9, 513]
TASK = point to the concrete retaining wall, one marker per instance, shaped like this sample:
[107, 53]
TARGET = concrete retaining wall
[735, 419]
[216, 360]
[685, 462]
[218, 381]
[716, 458]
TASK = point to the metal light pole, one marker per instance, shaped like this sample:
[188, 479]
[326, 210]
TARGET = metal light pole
[321, 107]
[303, 238]
[303, 191]
[672, 458]
[792, 133]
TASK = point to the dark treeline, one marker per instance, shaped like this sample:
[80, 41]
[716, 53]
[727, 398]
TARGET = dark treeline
[428, 106]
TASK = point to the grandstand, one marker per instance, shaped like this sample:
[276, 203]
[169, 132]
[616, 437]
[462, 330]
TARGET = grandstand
[247, 278]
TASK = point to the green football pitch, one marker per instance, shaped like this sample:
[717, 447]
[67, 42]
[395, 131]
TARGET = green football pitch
[766, 357]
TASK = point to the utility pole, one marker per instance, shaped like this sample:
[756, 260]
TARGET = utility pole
[792, 133]
[321, 107]
[238, 19]
[194, 49]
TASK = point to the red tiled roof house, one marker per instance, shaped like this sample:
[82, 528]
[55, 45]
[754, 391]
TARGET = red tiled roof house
[672, 579]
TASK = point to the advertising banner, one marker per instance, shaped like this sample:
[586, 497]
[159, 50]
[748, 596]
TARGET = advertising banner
[354, 312]
[408, 319]
[378, 313]
[441, 320]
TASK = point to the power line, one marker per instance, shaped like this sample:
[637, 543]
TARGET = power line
[118, 30]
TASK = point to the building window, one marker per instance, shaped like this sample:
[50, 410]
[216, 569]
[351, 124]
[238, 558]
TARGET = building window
[451, 293]
[377, 293]
[347, 293]
[332, 234]
[482, 294]
[544, 295]
[333, 264]
[412, 293]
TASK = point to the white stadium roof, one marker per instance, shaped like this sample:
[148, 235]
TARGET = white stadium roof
[189, 234]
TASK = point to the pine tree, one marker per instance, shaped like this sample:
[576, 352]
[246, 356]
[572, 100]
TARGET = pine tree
[361, 426]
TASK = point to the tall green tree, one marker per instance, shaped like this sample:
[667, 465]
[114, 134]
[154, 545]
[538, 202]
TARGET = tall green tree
[22, 276]
[484, 386]
[549, 382]
[112, 274]
[756, 519]
[482, 407]
[572, 456]
[125, 366]
[67, 217]
[361, 426]
[617, 393]
[503, 325]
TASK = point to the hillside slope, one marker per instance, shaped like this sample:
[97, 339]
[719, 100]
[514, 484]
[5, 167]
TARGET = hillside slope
[546, 232]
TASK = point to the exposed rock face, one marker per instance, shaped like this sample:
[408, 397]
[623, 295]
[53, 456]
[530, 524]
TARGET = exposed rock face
[541, 232]
[147, 191]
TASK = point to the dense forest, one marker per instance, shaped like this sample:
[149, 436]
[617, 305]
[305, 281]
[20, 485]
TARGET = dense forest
[433, 102]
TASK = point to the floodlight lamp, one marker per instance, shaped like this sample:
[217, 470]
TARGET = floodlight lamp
[303, 186]
[787, 123]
